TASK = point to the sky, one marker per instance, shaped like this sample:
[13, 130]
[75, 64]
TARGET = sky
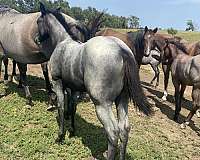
[152, 13]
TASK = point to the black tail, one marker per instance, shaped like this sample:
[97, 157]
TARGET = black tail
[132, 84]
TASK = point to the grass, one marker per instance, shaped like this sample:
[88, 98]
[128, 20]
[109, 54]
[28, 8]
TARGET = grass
[189, 36]
[29, 134]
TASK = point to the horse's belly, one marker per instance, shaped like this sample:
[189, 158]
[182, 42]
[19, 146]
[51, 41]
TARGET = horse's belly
[32, 58]
[74, 85]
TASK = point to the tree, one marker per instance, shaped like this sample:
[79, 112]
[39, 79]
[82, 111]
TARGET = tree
[172, 31]
[134, 22]
[190, 25]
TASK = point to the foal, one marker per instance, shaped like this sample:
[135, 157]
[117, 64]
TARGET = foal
[185, 71]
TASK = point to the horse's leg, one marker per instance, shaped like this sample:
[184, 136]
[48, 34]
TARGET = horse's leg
[1, 59]
[44, 67]
[46, 76]
[23, 81]
[166, 70]
[5, 61]
[14, 75]
[177, 101]
[58, 88]
[158, 76]
[183, 87]
[124, 128]
[107, 118]
[156, 70]
[198, 113]
[72, 109]
[196, 105]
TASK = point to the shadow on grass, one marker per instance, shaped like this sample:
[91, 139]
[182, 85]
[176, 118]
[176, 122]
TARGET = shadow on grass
[36, 86]
[167, 110]
[93, 137]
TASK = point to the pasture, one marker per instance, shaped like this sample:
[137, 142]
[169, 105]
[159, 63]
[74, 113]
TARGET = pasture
[30, 133]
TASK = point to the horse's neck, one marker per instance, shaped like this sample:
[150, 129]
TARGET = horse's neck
[58, 33]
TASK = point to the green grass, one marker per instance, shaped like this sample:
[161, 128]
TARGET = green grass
[29, 134]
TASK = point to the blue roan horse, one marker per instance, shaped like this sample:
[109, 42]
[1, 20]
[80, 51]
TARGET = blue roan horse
[104, 67]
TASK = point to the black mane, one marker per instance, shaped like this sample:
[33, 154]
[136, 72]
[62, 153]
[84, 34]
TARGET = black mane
[62, 21]
[178, 45]
[137, 38]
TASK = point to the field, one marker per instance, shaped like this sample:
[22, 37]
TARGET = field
[27, 134]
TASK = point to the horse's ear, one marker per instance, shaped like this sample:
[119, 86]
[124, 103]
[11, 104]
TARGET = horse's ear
[146, 29]
[155, 30]
[58, 9]
[42, 8]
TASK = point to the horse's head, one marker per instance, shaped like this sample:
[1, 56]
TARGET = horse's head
[42, 22]
[77, 30]
[149, 36]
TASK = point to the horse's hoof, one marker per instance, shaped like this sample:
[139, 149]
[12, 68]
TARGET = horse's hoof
[59, 140]
[164, 98]
[198, 114]
[183, 125]
[152, 102]
[71, 134]
[28, 107]
[30, 103]
[105, 154]
[51, 108]
[155, 109]
[175, 118]
[6, 82]
[15, 79]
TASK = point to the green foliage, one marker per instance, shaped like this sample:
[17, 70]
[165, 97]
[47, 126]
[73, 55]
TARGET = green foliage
[83, 15]
[172, 31]
[134, 22]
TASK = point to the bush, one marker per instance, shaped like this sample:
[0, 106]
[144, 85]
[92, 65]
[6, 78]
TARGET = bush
[172, 31]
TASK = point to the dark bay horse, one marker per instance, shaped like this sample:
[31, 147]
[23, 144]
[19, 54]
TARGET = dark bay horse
[161, 41]
[104, 67]
[185, 72]
[134, 40]
[158, 40]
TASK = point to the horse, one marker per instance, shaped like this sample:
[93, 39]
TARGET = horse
[19, 41]
[160, 41]
[103, 66]
[185, 71]
[134, 40]
[26, 48]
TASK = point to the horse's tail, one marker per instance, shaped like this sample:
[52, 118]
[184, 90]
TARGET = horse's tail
[132, 84]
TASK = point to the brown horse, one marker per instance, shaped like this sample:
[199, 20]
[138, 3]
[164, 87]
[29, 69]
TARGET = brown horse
[158, 40]
[134, 40]
[185, 71]
[167, 53]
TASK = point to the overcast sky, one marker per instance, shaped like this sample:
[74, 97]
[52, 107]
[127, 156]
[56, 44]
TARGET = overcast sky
[153, 13]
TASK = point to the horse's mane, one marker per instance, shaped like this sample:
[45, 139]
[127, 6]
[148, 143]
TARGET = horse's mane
[6, 9]
[178, 45]
[58, 15]
[137, 39]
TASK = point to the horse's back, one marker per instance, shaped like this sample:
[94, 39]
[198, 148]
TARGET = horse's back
[121, 36]
[103, 69]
